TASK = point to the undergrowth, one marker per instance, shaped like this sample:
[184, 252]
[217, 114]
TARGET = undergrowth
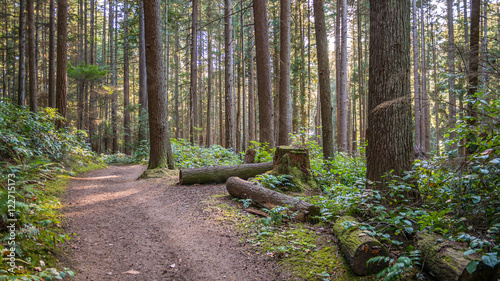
[37, 160]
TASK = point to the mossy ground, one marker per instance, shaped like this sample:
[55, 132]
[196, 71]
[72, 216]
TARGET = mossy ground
[306, 252]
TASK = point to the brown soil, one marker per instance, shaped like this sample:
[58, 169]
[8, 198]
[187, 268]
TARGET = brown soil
[152, 229]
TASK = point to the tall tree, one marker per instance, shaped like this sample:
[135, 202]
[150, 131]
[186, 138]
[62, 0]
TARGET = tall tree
[193, 108]
[389, 108]
[160, 149]
[416, 77]
[61, 76]
[342, 110]
[452, 100]
[21, 91]
[228, 65]
[285, 103]
[473, 76]
[209, 86]
[33, 90]
[143, 96]
[266, 113]
[52, 54]
[324, 79]
[127, 140]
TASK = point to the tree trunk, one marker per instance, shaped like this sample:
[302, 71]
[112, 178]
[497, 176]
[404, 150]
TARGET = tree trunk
[285, 103]
[143, 94]
[342, 94]
[160, 149]
[452, 107]
[266, 198]
[251, 97]
[52, 55]
[127, 139]
[416, 77]
[61, 78]
[228, 68]
[193, 108]
[359, 248]
[32, 57]
[473, 76]
[324, 79]
[266, 113]
[446, 261]
[389, 122]
[176, 87]
[93, 93]
[21, 94]
[209, 82]
[220, 174]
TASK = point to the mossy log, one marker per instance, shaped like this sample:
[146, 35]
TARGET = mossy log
[446, 261]
[266, 198]
[358, 247]
[220, 174]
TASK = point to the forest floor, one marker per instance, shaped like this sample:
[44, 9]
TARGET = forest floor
[152, 229]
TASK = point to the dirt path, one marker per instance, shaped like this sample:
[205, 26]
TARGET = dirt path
[130, 229]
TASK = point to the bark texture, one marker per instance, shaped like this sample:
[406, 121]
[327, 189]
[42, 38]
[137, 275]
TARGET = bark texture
[160, 149]
[62, 64]
[266, 198]
[264, 86]
[228, 65]
[324, 79]
[220, 174]
[285, 101]
[389, 132]
[358, 247]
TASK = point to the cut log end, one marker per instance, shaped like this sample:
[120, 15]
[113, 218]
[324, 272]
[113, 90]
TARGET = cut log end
[359, 248]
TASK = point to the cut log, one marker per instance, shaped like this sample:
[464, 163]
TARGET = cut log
[266, 198]
[446, 261]
[220, 174]
[358, 247]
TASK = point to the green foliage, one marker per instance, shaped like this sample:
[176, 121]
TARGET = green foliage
[263, 152]
[194, 156]
[86, 72]
[281, 182]
[398, 268]
[35, 155]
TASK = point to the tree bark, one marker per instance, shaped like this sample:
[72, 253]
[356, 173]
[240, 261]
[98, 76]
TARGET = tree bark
[61, 77]
[220, 174]
[127, 138]
[452, 100]
[143, 94]
[342, 109]
[193, 108]
[358, 247]
[389, 122]
[416, 77]
[324, 79]
[52, 55]
[228, 68]
[160, 149]
[266, 113]
[473, 75]
[285, 103]
[266, 198]
[209, 82]
[32, 64]
[21, 93]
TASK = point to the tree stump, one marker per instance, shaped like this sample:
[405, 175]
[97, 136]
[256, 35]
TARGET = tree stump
[294, 161]
[249, 156]
[358, 247]
[445, 260]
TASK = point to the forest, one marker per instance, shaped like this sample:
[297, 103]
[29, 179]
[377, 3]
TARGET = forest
[393, 103]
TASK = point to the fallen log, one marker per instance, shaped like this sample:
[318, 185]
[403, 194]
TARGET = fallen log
[358, 247]
[220, 174]
[266, 198]
[446, 261]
